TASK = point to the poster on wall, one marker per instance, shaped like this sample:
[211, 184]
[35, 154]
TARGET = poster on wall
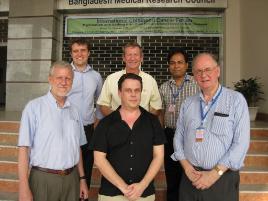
[151, 25]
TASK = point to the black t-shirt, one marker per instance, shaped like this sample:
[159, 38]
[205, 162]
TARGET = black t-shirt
[129, 151]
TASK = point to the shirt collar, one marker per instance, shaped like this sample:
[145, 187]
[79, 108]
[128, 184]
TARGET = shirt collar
[215, 95]
[124, 72]
[187, 78]
[53, 101]
[88, 68]
[117, 113]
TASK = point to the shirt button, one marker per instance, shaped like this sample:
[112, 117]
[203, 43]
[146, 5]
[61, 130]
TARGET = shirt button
[131, 155]
[130, 181]
[131, 142]
[130, 169]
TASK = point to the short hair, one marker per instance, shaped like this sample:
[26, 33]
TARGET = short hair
[128, 76]
[60, 64]
[132, 44]
[211, 55]
[80, 41]
[176, 50]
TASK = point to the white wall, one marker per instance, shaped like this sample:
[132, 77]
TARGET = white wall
[246, 43]
[232, 60]
[254, 43]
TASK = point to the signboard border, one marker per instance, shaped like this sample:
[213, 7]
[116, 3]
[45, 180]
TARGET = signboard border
[141, 34]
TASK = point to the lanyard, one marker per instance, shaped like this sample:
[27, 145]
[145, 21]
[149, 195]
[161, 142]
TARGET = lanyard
[203, 116]
[178, 91]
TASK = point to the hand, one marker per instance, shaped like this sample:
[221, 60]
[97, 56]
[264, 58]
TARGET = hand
[83, 189]
[25, 193]
[192, 174]
[135, 191]
[124, 189]
[207, 179]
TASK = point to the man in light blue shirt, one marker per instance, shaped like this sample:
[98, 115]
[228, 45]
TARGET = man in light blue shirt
[50, 136]
[212, 137]
[87, 85]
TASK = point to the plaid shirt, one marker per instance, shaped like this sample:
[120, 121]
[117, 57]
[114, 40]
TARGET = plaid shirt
[169, 90]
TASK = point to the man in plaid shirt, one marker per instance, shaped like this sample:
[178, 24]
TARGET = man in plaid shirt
[173, 92]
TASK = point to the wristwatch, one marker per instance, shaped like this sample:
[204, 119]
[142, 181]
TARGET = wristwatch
[82, 177]
[218, 170]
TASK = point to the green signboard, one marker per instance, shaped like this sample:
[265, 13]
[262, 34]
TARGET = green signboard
[87, 26]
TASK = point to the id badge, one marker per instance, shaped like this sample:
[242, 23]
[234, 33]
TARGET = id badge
[171, 108]
[199, 134]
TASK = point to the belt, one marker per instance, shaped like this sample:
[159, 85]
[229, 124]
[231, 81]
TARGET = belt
[59, 172]
[201, 169]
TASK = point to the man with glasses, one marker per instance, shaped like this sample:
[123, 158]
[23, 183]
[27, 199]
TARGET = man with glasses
[212, 137]
[50, 136]
[173, 92]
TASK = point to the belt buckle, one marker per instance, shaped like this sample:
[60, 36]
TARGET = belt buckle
[62, 172]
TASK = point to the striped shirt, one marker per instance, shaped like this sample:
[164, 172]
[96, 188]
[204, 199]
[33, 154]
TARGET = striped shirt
[85, 91]
[227, 131]
[168, 91]
[53, 134]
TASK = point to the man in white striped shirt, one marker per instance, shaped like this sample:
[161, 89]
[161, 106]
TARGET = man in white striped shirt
[212, 138]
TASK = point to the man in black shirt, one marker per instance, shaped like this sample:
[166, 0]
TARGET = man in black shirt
[128, 147]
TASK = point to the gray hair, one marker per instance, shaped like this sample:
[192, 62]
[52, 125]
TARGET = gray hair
[60, 64]
[212, 56]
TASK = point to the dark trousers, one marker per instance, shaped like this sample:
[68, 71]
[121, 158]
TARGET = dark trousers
[225, 189]
[88, 154]
[173, 169]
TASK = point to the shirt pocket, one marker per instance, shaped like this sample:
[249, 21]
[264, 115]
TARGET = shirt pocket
[220, 125]
[72, 127]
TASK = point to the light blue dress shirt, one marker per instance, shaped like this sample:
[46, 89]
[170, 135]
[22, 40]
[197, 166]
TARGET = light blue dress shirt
[227, 131]
[53, 134]
[85, 91]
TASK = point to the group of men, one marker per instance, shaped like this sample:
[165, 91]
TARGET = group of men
[197, 127]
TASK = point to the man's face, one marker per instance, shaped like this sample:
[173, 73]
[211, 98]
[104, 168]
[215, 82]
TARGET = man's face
[206, 72]
[132, 58]
[177, 66]
[130, 93]
[60, 81]
[80, 55]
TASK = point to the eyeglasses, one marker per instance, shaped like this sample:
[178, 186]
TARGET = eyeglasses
[176, 62]
[206, 71]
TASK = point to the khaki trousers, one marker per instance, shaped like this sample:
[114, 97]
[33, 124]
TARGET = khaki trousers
[52, 187]
[122, 198]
